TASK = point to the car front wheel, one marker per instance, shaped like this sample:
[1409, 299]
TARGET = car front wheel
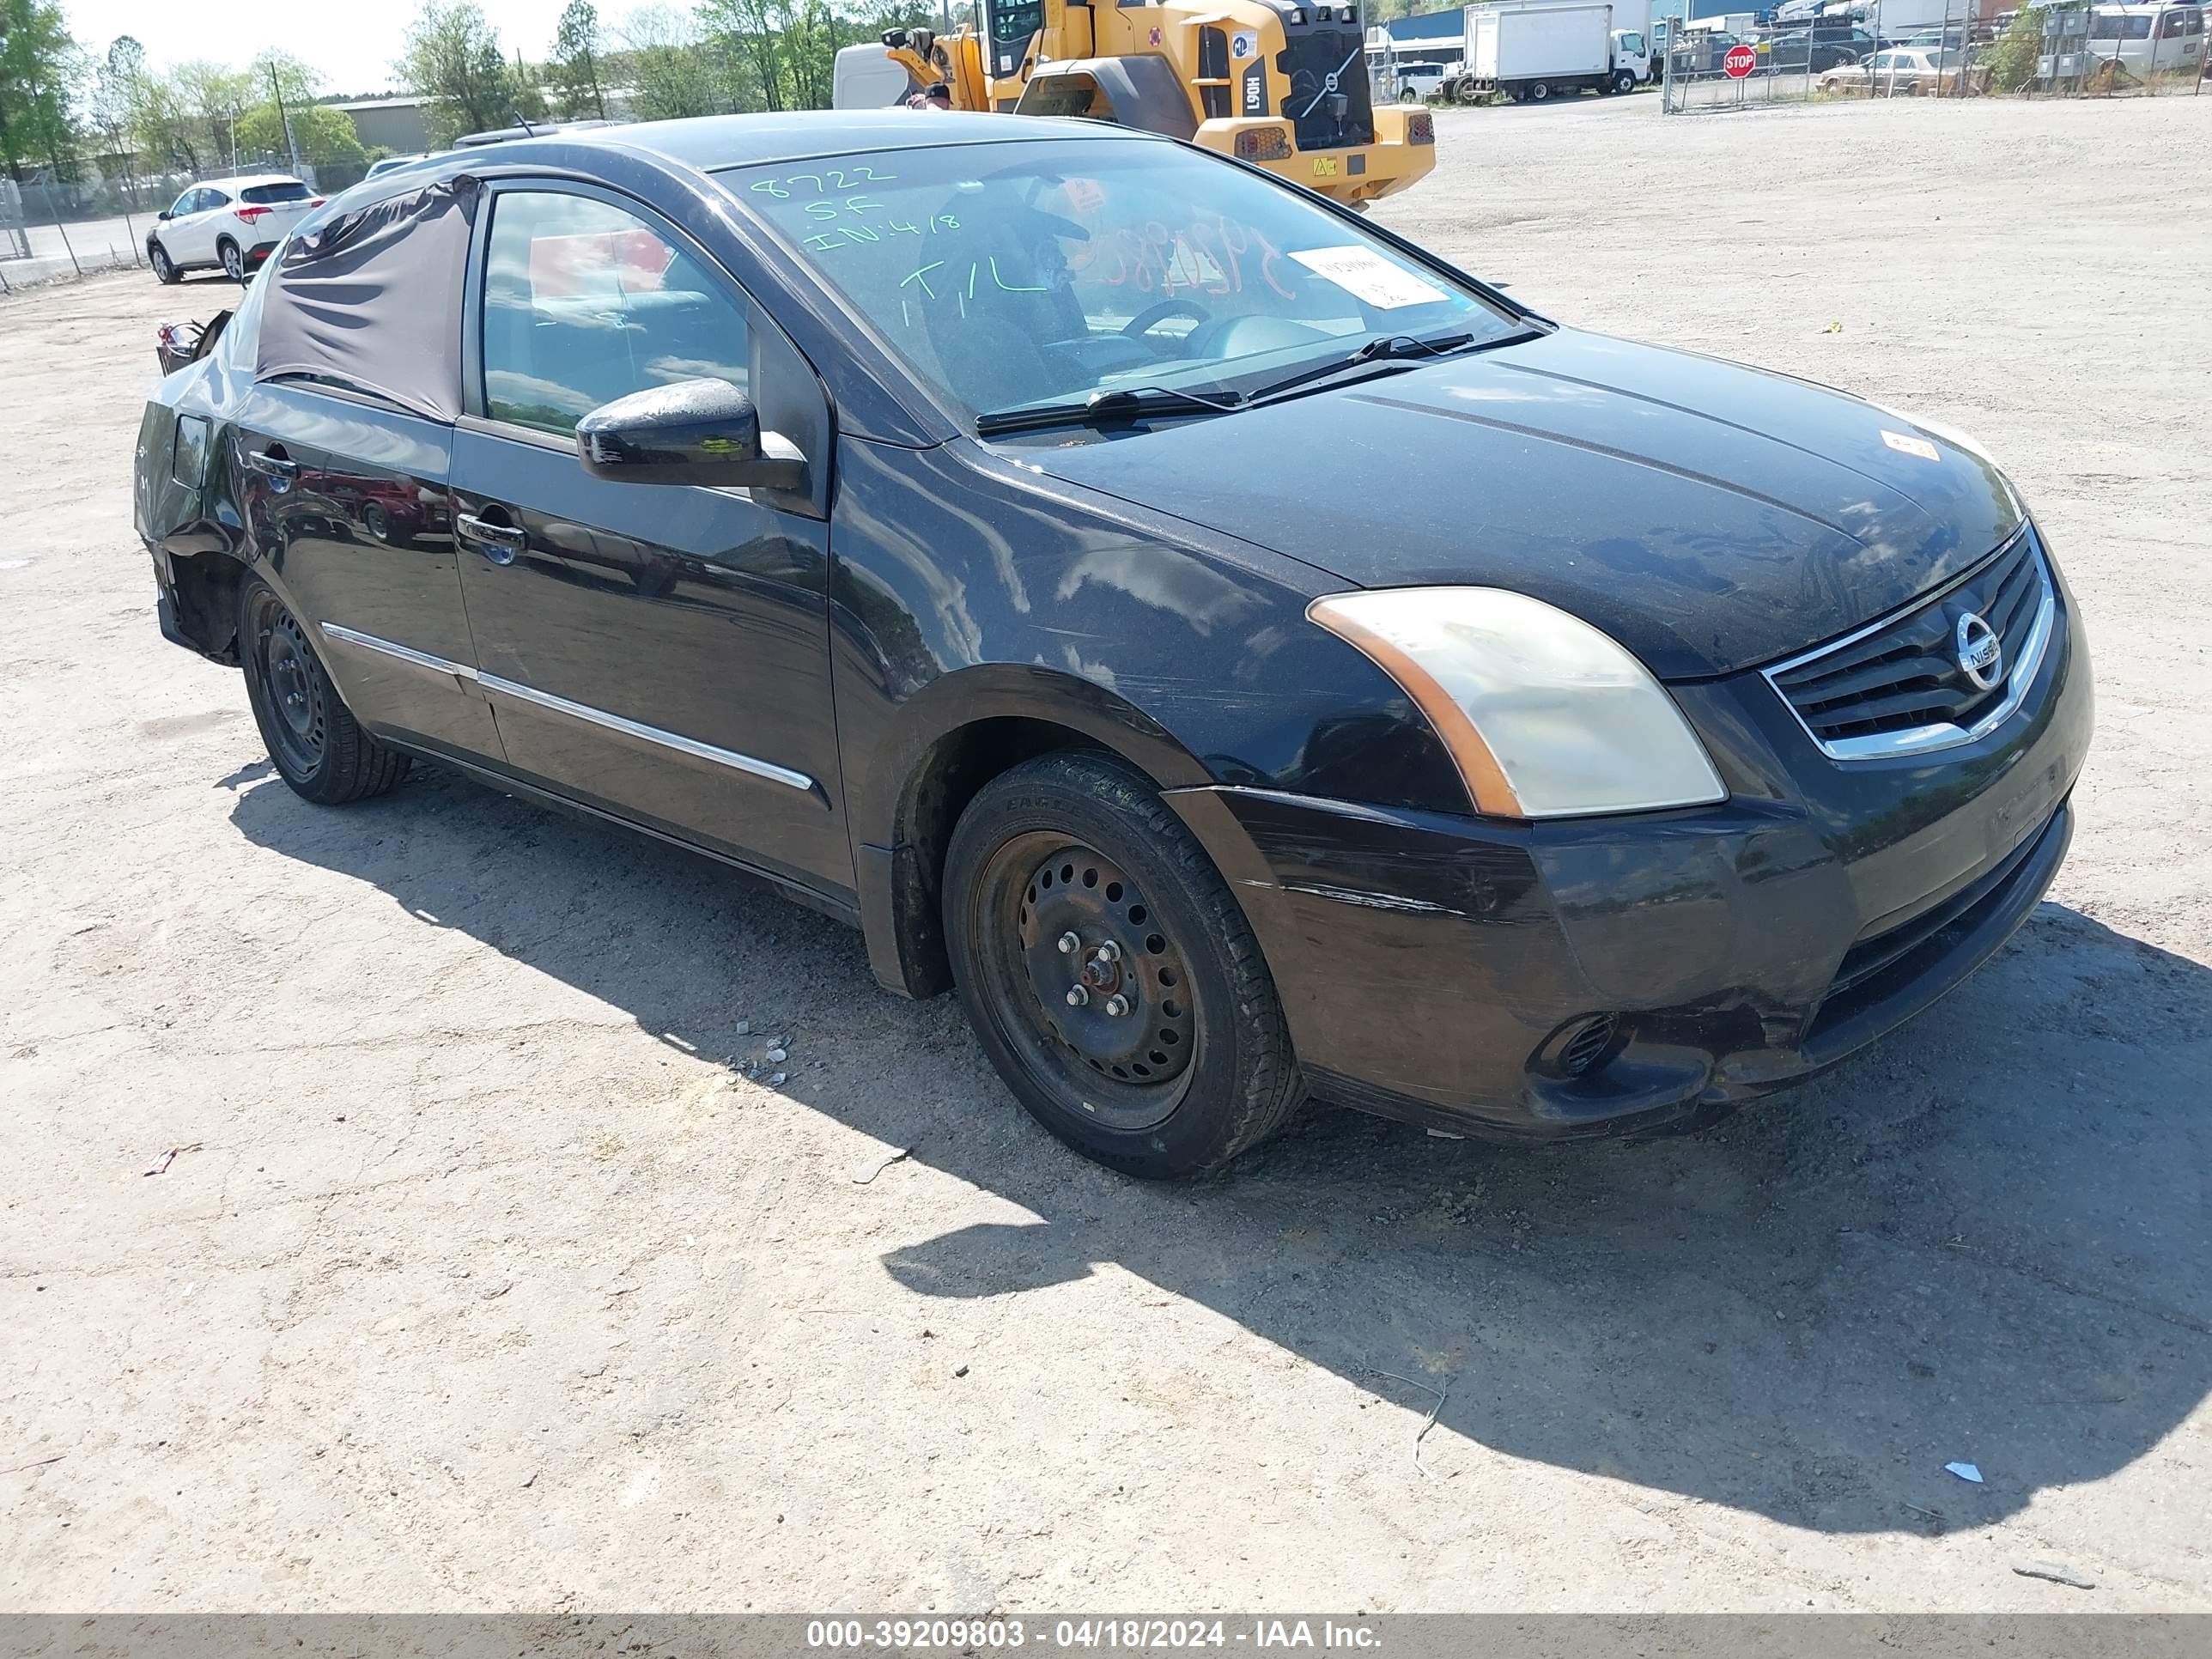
[1110, 974]
[317, 746]
[165, 270]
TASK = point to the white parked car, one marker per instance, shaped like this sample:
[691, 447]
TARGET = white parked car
[229, 224]
[1899, 72]
[1417, 83]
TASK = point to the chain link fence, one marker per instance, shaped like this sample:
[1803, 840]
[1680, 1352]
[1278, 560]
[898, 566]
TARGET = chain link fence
[61, 229]
[2118, 51]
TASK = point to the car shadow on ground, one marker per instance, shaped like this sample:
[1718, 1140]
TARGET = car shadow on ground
[1982, 1240]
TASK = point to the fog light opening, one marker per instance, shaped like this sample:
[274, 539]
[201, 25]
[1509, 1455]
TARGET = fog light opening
[1583, 1044]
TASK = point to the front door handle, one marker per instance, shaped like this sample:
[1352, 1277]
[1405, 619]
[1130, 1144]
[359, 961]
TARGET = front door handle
[499, 542]
[283, 469]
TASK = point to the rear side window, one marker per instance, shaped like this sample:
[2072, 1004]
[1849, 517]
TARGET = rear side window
[263, 195]
[188, 458]
[585, 302]
[370, 298]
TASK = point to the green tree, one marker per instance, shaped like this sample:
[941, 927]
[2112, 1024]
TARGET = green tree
[324, 135]
[454, 60]
[210, 98]
[748, 34]
[40, 68]
[576, 65]
[2013, 58]
[673, 72]
[112, 107]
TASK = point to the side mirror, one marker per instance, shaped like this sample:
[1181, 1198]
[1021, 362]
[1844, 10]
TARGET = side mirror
[694, 432]
[163, 214]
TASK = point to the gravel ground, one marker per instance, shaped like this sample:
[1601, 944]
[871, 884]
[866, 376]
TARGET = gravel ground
[485, 1277]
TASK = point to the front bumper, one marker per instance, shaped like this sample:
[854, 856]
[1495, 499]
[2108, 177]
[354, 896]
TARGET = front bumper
[1434, 968]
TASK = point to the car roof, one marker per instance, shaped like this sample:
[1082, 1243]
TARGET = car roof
[709, 142]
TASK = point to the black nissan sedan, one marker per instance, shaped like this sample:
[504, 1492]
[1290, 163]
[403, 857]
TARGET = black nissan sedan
[1240, 654]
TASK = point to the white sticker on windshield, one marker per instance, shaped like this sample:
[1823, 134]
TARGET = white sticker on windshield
[1908, 446]
[1366, 275]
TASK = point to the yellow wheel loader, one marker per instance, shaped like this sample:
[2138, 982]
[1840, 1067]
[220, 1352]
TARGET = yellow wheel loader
[1282, 86]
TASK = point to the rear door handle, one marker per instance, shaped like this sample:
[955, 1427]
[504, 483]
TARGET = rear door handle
[499, 542]
[272, 466]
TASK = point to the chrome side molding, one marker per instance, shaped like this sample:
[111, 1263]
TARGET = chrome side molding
[500, 686]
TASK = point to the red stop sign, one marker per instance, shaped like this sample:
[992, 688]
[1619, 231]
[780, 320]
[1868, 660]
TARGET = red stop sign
[1739, 62]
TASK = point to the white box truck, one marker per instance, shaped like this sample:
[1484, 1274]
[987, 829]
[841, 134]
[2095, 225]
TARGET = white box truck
[1536, 52]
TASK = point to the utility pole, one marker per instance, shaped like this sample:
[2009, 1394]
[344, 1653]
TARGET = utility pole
[283, 119]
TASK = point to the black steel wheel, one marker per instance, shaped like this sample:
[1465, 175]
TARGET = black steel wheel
[165, 270]
[1109, 973]
[315, 744]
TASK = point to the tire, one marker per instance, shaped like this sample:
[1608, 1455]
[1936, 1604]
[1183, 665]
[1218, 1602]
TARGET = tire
[165, 271]
[1082, 843]
[1624, 80]
[1539, 91]
[233, 261]
[314, 744]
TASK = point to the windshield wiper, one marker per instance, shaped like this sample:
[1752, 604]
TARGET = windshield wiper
[1383, 348]
[1106, 408]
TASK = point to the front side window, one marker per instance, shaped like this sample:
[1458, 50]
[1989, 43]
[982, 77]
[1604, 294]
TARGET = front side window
[1008, 273]
[185, 204]
[584, 303]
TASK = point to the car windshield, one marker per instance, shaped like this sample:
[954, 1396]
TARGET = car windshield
[1012, 274]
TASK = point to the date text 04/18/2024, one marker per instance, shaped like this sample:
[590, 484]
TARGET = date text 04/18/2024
[1129, 1634]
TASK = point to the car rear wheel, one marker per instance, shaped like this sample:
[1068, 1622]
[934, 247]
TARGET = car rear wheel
[164, 269]
[233, 261]
[1539, 91]
[1110, 974]
[317, 746]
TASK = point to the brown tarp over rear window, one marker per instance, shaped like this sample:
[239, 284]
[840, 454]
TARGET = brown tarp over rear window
[373, 299]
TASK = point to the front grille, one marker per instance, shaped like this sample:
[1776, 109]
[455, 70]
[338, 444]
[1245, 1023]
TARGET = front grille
[1324, 117]
[1900, 685]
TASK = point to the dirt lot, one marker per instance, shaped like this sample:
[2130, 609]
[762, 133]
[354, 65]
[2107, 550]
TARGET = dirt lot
[485, 1280]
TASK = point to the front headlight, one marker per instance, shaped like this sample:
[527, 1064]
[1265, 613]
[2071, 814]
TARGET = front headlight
[1545, 716]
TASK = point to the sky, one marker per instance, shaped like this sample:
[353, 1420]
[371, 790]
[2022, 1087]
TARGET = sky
[353, 42]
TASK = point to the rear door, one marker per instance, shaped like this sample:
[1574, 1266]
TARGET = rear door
[659, 651]
[351, 511]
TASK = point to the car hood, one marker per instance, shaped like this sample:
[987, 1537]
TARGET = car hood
[1707, 515]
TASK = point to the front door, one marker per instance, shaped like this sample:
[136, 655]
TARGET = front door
[659, 651]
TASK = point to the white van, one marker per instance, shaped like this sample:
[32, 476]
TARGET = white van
[1417, 83]
[2149, 39]
[865, 77]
